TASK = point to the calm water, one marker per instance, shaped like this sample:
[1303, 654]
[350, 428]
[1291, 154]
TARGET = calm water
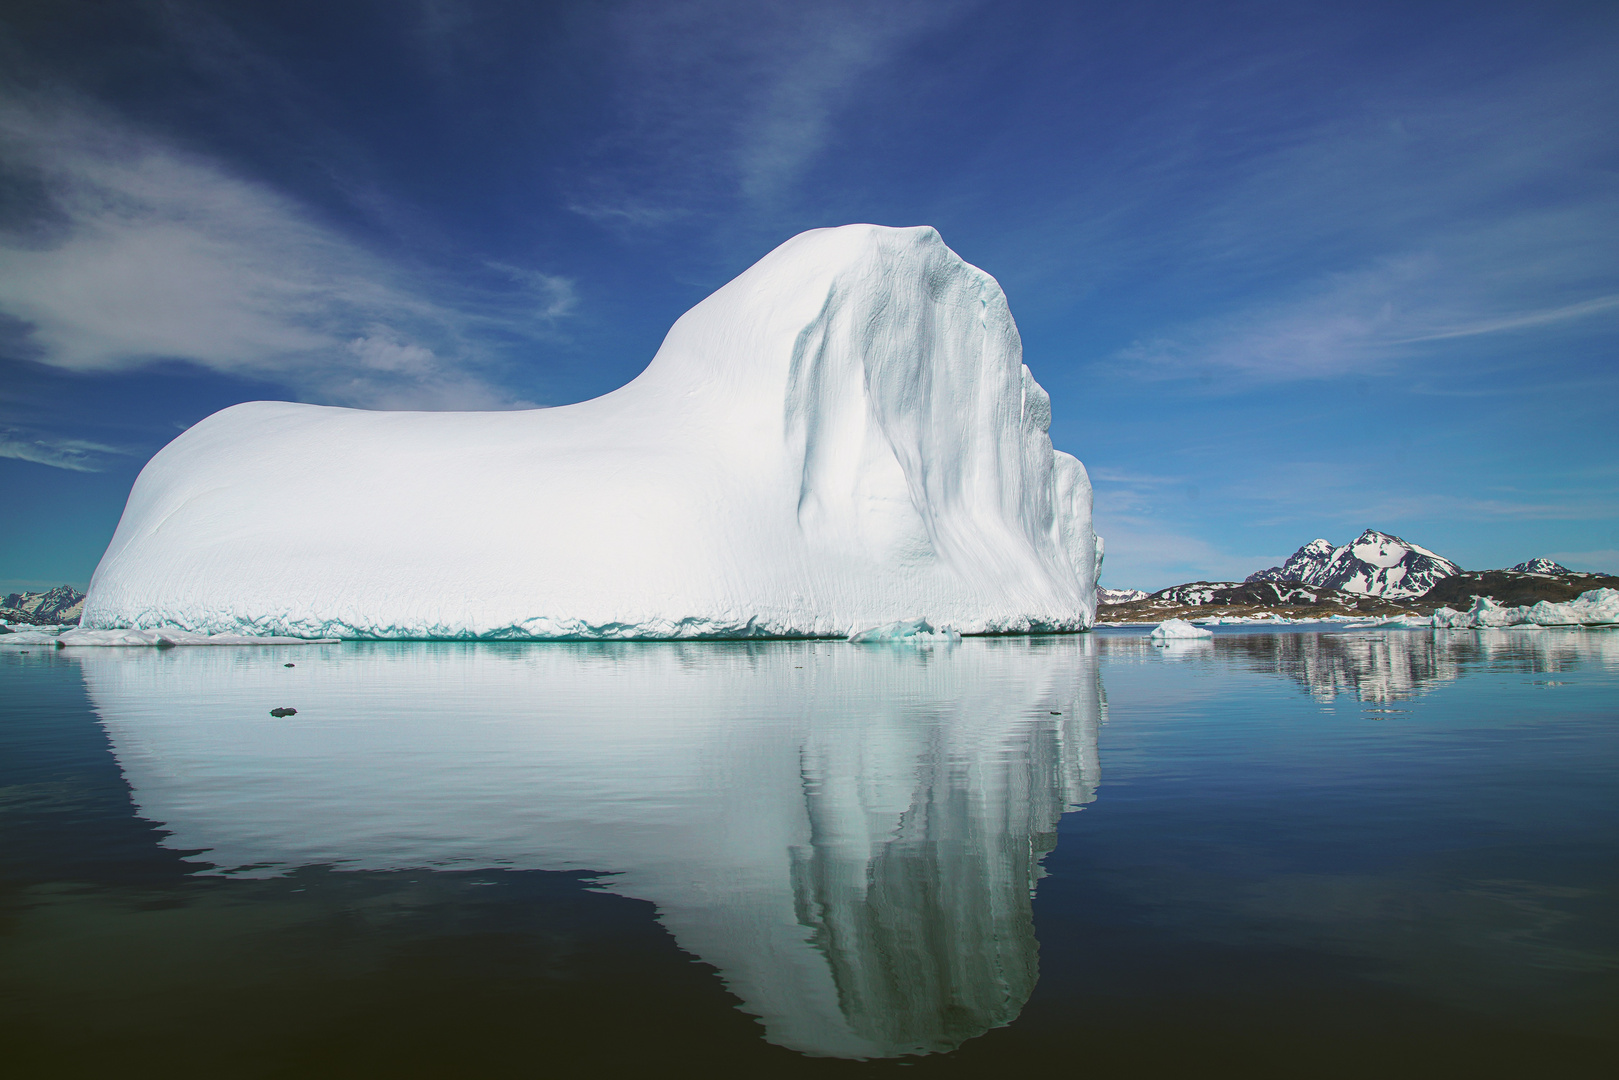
[1301, 854]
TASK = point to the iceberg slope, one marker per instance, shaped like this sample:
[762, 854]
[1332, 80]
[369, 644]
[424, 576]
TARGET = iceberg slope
[843, 436]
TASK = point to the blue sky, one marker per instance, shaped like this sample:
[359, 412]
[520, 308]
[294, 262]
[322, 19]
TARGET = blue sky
[1288, 270]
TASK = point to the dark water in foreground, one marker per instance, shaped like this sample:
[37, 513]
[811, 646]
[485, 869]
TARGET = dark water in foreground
[1382, 853]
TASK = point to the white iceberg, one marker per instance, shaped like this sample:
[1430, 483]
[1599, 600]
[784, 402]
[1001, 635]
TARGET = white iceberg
[1598, 607]
[842, 437]
[1177, 630]
[1396, 622]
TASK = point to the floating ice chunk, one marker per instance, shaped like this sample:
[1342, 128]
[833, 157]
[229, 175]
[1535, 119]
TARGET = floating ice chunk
[917, 630]
[1595, 608]
[29, 637]
[1397, 622]
[1178, 629]
[1599, 607]
[1448, 618]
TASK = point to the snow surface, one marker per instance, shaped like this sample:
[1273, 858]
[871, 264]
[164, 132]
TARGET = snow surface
[842, 437]
[1599, 607]
[1178, 629]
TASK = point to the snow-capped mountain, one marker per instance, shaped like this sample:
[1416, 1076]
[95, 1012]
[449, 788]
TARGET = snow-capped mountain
[62, 604]
[1373, 564]
[1119, 596]
[1540, 566]
[1305, 564]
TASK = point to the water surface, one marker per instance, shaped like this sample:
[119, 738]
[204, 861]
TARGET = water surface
[1265, 853]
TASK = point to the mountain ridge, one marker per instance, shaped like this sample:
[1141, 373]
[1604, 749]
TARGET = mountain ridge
[53, 607]
[1373, 564]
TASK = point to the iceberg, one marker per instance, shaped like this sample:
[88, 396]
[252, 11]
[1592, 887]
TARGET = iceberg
[1177, 630]
[1598, 607]
[842, 437]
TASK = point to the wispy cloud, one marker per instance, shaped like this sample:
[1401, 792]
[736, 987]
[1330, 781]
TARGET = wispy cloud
[75, 455]
[143, 254]
[1522, 321]
[728, 99]
[1369, 237]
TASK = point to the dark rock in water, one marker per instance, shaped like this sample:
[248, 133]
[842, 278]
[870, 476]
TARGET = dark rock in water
[1512, 588]
[278, 713]
[286, 665]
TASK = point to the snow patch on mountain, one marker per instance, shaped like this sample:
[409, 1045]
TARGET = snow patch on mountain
[843, 437]
[1119, 596]
[1373, 564]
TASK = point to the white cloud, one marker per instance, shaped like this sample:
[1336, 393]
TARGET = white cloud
[75, 455]
[145, 254]
[551, 295]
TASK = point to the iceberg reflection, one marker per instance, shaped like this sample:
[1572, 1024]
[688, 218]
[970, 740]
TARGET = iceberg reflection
[850, 835]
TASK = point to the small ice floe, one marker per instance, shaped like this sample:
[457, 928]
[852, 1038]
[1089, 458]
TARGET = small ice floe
[1397, 622]
[1177, 630]
[919, 631]
[32, 635]
[161, 638]
[1599, 607]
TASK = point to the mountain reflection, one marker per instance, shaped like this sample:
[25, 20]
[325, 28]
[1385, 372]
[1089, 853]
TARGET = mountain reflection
[1382, 666]
[1374, 666]
[851, 835]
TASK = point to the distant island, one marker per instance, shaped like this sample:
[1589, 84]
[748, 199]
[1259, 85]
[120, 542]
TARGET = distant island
[1376, 574]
